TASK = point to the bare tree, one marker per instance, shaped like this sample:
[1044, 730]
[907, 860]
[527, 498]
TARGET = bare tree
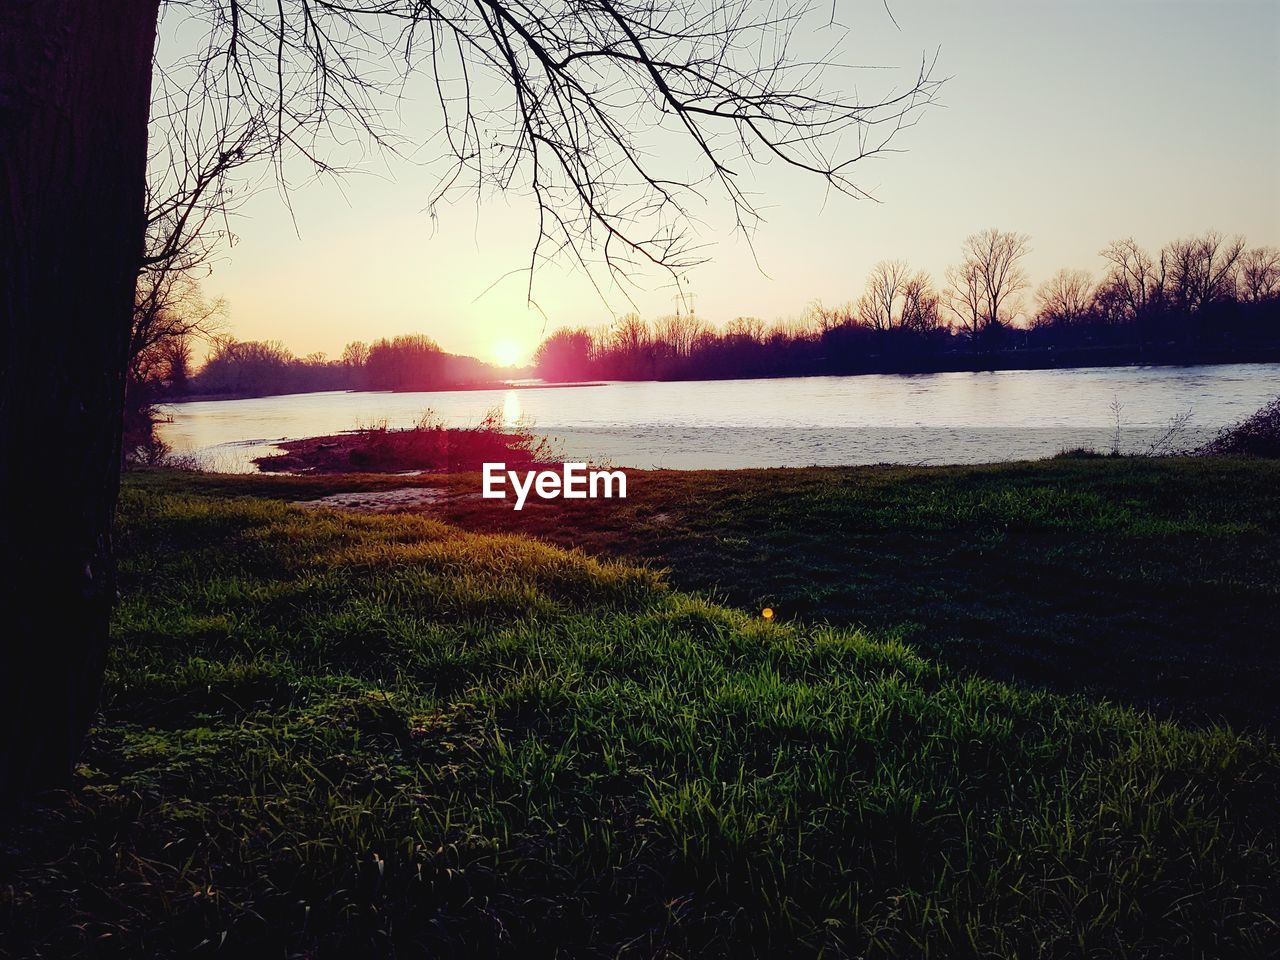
[749, 328]
[1202, 270]
[1260, 274]
[677, 334]
[880, 306]
[169, 308]
[920, 304]
[197, 144]
[188, 197]
[169, 315]
[1066, 297]
[559, 98]
[821, 319]
[982, 290]
[963, 298]
[177, 356]
[355, 354]
[631, 334]
[895, 298]
[1135, 282]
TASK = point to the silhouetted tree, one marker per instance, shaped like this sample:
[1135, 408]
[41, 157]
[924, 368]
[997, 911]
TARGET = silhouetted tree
[963, 299]
[1066, 297]
[355, 355]
[920, 307]
[676, 335]
[821, 319]
[1135, 284]
[748, 328]
[630, 347]
[177, 356]
[248, 368]
[880, 306]
[169, 314]
[409, 362]
[1260, 274]
[1202, 270]
[565, 355]
[986, 284]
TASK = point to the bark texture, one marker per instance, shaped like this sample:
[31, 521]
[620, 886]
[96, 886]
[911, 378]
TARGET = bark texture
[75, 78]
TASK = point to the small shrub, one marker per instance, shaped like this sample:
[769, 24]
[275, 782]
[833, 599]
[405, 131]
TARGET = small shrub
[1255, 436]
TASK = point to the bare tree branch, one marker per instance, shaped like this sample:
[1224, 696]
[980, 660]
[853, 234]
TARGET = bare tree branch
[616, 116]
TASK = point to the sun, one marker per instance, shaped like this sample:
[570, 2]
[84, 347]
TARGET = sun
[507, 353]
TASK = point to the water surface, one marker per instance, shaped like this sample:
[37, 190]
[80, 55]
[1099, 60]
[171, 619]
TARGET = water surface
[925, 418]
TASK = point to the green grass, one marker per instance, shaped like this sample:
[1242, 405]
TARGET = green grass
[1154, 583]
[335, 736]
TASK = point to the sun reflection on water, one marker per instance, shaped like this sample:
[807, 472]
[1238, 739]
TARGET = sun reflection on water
[512, 410]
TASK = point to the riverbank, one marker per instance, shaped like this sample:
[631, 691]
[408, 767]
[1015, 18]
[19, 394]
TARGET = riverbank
[335, 734]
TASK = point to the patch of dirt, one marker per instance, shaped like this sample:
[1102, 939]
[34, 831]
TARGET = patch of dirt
[384, 501]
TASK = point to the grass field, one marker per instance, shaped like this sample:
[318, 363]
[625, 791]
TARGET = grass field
[1151, 582]
[338, 735]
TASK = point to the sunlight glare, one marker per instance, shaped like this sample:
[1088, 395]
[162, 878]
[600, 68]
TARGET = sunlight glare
[507, 353]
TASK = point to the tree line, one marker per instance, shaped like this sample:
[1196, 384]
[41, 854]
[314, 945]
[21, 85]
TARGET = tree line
[258, 368]
[253, 368]
[1201, 298]
[163, 367]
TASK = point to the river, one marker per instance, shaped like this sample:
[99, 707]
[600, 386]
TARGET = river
[920, 419]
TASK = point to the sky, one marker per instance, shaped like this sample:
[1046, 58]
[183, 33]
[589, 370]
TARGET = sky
[1075, 122]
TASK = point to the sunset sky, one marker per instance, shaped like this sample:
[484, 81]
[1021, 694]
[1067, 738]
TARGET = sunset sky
[1077, 123]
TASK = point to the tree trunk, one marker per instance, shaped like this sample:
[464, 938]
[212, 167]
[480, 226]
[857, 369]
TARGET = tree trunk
[75, 83]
